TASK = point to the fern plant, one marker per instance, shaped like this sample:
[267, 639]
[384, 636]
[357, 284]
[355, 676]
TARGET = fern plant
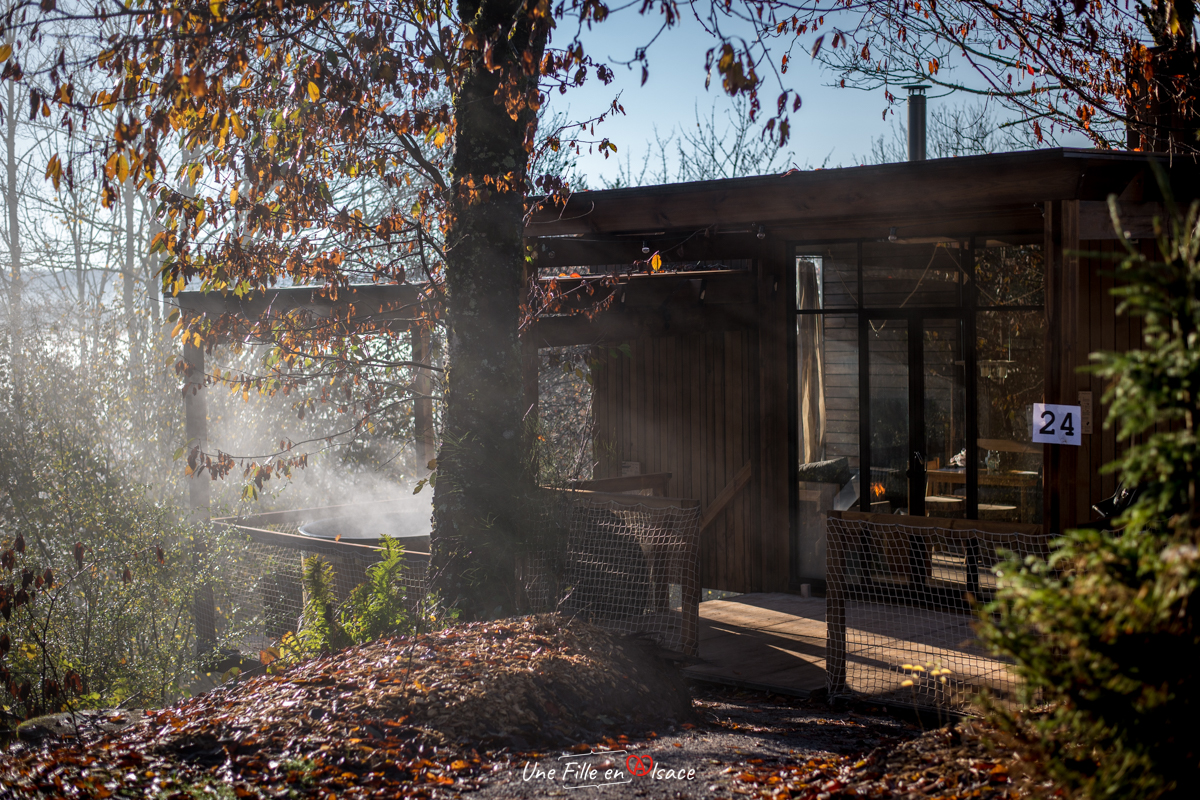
[320, 630]
[378, 606]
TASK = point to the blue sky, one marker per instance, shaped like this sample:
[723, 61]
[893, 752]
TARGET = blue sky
[834, 125]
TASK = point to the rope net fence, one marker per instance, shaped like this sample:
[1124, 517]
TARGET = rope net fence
[899, 606]
[626, 563]
[257, 594]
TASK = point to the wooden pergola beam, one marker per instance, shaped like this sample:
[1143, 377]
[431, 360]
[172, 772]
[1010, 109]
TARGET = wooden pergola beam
[369, 303]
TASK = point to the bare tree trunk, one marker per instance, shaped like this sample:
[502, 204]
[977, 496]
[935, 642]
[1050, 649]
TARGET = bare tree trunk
[153, 264]
[481, 472]
[129, 274]
[75, 227]
[12, 201]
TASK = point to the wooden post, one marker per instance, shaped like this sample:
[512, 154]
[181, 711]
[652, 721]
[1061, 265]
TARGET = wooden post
[530, 365]
[426, 441]
[835, 610]
[530, 368]
[776, 283]
[1062, 325]
[199, 493]
[690, 607]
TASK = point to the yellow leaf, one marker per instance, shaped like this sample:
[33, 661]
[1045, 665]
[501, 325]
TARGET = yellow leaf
[233, 196]
[122, 169]
[655, 262]
[5, 52]
[200, 218]
[215, 7]
[237, 127]
[314, 92]
[439, 140]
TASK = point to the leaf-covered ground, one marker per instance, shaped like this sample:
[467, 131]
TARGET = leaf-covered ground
[476, 707]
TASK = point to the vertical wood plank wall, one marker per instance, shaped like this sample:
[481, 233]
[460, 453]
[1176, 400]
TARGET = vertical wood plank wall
[683, 404]
[1092, 325]
[1099, 328]
[700, 406]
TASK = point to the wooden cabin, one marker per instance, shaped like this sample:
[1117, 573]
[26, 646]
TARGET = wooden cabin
[899, 321]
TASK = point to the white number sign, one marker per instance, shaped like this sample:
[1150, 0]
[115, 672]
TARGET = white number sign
[1055, 424]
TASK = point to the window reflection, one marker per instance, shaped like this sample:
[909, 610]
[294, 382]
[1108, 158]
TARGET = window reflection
[1010, 350]
[1010, 275]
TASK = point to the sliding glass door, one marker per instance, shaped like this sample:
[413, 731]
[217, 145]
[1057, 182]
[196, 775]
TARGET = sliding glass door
[916, 413]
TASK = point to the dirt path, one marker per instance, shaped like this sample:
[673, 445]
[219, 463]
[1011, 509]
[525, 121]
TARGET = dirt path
[739, 734]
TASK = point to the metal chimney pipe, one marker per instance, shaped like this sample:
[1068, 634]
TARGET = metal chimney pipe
[916, 122]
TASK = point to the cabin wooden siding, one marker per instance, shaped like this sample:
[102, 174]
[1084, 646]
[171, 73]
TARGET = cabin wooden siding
[700, 406]
[1095, 327]
[682, 404]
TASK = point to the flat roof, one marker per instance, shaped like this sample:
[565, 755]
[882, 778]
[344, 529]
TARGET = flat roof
[1003, 190]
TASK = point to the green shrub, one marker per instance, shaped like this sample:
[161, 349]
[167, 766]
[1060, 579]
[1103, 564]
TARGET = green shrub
[1105, 632]
[95, 578]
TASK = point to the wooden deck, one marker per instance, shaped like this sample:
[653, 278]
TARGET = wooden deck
[776, 642]
[769, 641]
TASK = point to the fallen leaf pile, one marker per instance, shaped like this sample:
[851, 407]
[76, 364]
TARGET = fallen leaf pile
[944, 764]
[408, 715]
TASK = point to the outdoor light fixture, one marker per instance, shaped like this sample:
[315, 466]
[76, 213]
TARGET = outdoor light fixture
[550, 254]
[994, 369]
[892, 237]
[762, 232]
[645, 249]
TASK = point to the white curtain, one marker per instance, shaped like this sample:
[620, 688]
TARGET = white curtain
[810, 352]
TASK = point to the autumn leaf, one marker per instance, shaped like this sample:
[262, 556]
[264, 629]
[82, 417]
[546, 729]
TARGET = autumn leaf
[314, 92]
[655, 262]
[5, 52]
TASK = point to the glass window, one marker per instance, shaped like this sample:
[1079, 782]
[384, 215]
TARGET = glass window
[835, 269]
[1010, 352]
[827, 394]
[887, 341]
[945, 418]
[897, 275]
[1010, 275]
[840, 343]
